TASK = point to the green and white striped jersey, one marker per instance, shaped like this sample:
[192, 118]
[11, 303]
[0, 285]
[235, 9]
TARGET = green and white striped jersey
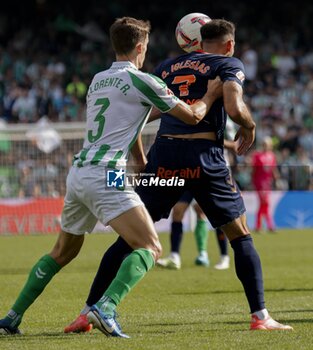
[119, 101]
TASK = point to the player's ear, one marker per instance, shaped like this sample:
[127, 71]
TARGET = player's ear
[139, 48]
[229, 45]
[201, 45]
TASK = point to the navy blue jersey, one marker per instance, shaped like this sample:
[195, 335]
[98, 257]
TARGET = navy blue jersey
[187, 76]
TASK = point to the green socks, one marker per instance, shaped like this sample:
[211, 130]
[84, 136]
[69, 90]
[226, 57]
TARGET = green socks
[132, 270]
[38, 278]
[201, 235]
[107, 305]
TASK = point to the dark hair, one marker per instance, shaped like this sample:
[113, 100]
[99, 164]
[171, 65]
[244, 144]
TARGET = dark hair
[217, 29]
[127, 32]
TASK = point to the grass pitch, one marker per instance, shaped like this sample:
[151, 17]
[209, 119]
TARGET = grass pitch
[194, 308]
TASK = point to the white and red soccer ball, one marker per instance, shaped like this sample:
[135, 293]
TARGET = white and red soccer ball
[188, 33]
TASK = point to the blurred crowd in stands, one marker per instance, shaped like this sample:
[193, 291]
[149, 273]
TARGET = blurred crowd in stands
[50, 52]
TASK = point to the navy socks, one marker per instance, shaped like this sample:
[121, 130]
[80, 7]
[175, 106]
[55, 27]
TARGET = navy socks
[176, 236]
[249, 271]
[222, 241]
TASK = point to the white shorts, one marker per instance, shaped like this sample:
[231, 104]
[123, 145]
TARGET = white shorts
[88, 200]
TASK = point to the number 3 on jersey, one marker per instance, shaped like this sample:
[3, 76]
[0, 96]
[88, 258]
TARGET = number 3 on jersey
[100, 118]
[185, 81]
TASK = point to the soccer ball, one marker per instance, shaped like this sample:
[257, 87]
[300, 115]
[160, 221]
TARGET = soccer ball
[188, 33]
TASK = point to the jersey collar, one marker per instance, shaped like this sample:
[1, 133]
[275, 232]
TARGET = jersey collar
[122, 65]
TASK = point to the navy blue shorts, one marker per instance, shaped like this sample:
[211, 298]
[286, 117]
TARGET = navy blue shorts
[202, 165]
[187, 197]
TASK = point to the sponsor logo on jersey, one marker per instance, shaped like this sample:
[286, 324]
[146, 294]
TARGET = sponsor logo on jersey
[229, 180]
[169, 92]
[186, 173]
[240, 75]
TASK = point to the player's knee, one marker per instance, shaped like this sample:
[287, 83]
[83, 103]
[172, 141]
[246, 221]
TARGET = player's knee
[149, 241]
[199, 212]
[178, 213]
[156, 250]
[159, 251]
[235, 229]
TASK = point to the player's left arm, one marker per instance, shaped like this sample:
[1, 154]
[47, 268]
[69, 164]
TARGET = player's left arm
[230, 132]
[232, 74]
[231, 146]
[239, 112]
[138, 154]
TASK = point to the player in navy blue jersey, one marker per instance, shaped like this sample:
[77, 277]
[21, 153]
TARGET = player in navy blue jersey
[195, 153]
[173, 260]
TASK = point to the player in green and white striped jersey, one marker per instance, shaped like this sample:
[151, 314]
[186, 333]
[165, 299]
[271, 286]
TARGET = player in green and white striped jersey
[119, 101]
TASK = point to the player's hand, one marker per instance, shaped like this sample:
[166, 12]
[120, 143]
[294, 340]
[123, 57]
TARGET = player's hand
[245, 137]
[215, 88]
[232, 146]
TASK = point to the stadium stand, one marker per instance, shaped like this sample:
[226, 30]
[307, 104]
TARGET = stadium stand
[48, 57]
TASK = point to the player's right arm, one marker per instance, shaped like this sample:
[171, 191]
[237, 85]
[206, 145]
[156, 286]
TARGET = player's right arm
[153, 91]
[193, 114]
[238, 111]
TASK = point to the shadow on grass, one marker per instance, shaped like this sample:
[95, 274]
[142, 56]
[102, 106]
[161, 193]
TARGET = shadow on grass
[302, 320]
[289, 290]
[10, 271]
[25, 271]
[42, 335]
[297, 310]
[244, 325]
[206, 329]
[187, 323]
[278, 290]
[22, 337]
